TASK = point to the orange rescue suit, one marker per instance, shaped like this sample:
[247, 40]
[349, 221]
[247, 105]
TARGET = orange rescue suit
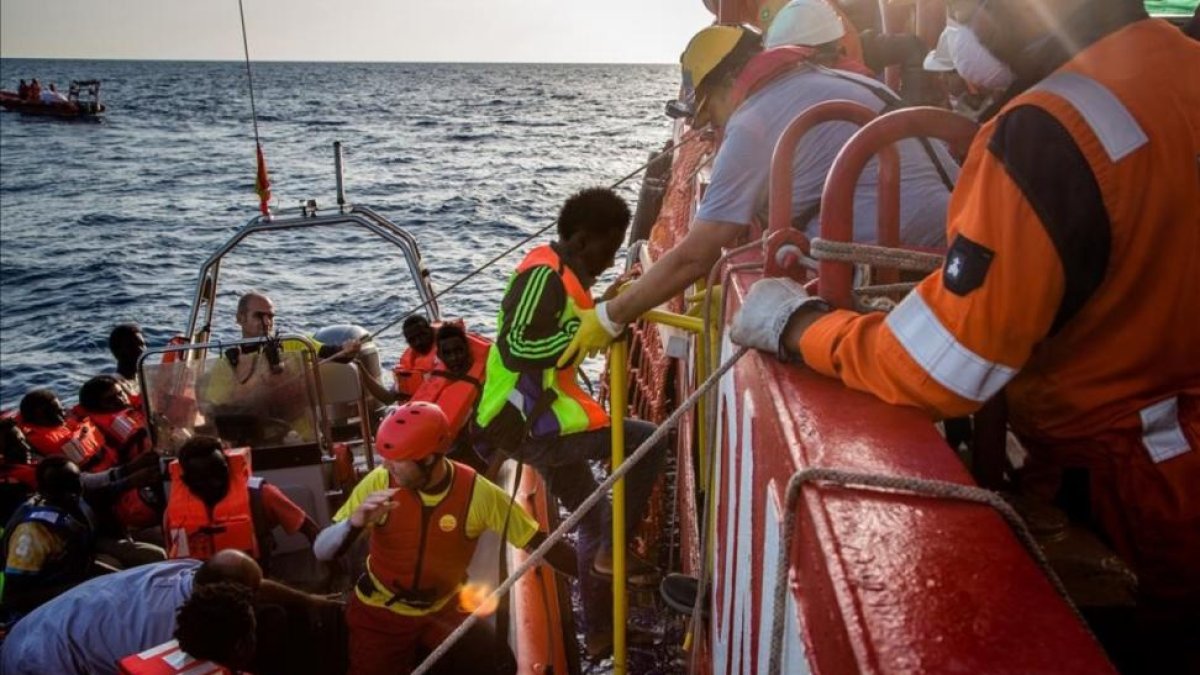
[193, 532]
[1085, 308]
[421, 553]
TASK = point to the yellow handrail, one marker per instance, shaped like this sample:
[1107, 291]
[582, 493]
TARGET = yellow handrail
[617, 382]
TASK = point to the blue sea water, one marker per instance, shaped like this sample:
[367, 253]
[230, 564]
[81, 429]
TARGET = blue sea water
[108, 222]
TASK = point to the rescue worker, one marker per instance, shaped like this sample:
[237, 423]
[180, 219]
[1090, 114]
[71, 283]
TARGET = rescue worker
[48, 542]
[537, 412]
[52, 433]
[754, 96]
[253, 381]
[424, 514]
[216, 504]
[127, 345]
[1071, 286]
[91, 627]
[417, 360]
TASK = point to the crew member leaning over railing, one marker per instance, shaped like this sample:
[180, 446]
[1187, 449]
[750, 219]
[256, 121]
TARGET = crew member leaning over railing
[1072, 280]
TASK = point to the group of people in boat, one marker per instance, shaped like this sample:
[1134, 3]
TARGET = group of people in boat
[33, 92]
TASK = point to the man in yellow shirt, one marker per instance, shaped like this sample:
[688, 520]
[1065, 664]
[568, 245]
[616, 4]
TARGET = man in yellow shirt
[424, 514]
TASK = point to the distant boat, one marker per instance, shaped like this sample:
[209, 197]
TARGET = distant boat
[82, 102]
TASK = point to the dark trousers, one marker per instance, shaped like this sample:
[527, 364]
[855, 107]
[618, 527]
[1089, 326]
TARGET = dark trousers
[564, 462]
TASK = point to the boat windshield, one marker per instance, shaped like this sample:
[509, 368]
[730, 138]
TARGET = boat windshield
[246, 400]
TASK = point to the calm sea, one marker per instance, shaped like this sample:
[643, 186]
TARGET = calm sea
[110, 222]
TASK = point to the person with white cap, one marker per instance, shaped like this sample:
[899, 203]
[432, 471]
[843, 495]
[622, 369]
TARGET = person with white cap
[755, 95]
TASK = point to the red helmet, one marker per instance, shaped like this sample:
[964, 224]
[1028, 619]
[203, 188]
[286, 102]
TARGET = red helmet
[413, 431]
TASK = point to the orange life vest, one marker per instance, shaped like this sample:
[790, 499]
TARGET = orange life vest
[411, 369]
[79, 440]
[122, 428]
[457, 394]
[420, 553]
[193, 532]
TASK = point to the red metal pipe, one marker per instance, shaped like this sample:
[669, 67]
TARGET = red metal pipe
[780, 195]
[837, 201]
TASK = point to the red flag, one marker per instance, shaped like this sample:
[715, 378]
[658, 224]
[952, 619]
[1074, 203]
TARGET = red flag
[262, 184]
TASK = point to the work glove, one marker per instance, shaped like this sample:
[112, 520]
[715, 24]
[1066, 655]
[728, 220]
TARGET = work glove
[596, 332]
[765, 314]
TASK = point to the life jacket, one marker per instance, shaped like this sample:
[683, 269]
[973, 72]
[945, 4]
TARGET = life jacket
[125, 431]
[79, 440]
[76, 558]
[420, 553]
[767, 66]
[457, 393]
[411, 369]
[572, 410]
[17, 483]
[167, 659]
[193, 532]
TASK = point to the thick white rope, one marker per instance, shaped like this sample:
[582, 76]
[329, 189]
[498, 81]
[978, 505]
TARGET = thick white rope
[588, 504]
[882, 256]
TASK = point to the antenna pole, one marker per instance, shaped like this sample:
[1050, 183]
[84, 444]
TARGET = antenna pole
[337, 169]
[249, 74]
[262, 182]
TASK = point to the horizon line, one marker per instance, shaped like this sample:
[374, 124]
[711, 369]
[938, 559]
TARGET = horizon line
[240, 60]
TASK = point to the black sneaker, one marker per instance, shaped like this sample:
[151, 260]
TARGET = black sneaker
[679, 592]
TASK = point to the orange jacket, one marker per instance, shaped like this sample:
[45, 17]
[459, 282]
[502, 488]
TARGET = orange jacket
[456, 395]
[76, 439]
[1074, 273]
[419, 553]
[193, 532]
[125, 431]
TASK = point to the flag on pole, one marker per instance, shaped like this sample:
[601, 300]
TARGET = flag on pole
[262, 183]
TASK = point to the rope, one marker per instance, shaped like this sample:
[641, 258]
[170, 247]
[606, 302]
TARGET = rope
[683, 140]
[587, 505]
[920, 486]
[249, 75]
[883, 256]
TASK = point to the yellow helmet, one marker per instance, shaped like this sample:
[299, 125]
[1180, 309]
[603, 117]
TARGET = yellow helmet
[707, 50]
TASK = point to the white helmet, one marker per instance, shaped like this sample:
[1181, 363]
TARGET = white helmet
[939, 60]
[807, 23]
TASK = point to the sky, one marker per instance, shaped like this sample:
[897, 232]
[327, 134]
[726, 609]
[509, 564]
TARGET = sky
[567, 31]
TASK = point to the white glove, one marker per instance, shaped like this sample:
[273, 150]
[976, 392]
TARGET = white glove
[765, 313]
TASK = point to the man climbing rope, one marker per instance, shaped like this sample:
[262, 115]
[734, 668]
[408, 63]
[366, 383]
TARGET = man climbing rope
[1072, 281]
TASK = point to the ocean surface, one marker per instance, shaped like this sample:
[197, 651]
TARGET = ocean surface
[107, 222]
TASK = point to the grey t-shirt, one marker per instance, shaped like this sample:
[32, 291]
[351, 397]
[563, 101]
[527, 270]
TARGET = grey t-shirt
[92, 626]
[740, 176]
